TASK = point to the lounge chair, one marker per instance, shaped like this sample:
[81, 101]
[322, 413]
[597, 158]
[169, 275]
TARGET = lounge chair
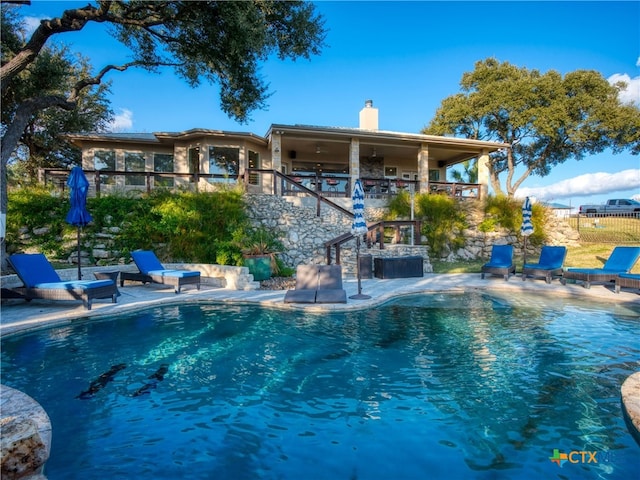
[152, 271]
[330, 285]
[501, 262]
[628, 280]
[620, 261]
[317, 284]
[549, 264]
[306, 285]
[41, 281]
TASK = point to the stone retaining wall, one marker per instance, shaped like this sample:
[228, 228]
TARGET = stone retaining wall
[304, 234]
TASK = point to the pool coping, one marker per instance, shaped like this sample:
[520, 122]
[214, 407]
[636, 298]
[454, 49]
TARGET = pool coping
[19, 316]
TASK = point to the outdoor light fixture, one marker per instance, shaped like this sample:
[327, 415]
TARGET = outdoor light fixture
[373, 152]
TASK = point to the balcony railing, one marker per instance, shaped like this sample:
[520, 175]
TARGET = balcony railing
[264, 180]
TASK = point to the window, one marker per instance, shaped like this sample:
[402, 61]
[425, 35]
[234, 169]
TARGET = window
[163, 162]
[224, 161]
[254, 162]
[105, 160]
[133, 162]
[434, 175]
[391, 172]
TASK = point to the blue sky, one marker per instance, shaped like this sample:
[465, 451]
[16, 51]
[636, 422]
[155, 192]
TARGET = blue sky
[406, 57]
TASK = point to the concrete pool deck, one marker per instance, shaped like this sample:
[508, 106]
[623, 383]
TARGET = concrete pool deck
[19, 316]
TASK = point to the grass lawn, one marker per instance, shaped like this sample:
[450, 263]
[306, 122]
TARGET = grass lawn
[585, 256]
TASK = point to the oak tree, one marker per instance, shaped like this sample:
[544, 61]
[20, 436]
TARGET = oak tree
[221, 42]
[545, 117]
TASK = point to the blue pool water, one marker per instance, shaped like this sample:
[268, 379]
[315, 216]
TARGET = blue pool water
[426, 386]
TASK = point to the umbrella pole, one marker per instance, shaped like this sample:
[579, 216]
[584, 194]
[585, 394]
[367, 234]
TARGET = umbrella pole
[524, 250]
[79, 271]
[359, 295]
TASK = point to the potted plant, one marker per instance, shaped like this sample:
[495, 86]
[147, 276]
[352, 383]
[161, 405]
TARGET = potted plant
[259, 248]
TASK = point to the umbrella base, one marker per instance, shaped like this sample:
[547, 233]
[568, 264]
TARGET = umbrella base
[360, 296]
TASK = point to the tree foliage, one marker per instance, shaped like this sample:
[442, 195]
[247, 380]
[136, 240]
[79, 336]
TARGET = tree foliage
[221, 42]
[546, 118]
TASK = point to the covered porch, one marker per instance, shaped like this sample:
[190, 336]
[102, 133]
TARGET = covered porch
[328, 160]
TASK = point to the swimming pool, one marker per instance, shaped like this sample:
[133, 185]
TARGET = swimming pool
[425, 386]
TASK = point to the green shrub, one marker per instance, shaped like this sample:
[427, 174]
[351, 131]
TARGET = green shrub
[507, 213]
[183, 226]
[443, 220]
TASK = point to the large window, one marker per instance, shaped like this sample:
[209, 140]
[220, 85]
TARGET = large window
[224, 161]
[105, 160]
[134, 162]
[163, 162]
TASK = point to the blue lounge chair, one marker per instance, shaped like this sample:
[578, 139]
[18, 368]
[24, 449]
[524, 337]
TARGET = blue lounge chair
[501, 262]
[41, 281]
[549, 264]
[627, 280]
[152, 271]
[621, 260]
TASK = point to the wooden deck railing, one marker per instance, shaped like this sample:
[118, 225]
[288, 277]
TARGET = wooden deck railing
[375, 234]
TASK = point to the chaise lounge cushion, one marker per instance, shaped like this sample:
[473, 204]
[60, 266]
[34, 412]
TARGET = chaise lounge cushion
[173, 273]
[501, 262]
[621, 260]
[153, 271]
[74, 285]
[549, 264]
[306, 285]
[330, 285]
[41, 281]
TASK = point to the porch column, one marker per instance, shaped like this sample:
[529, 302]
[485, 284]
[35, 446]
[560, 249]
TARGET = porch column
[354, 161]
[423, 168]
[276, 156]
[483, 175]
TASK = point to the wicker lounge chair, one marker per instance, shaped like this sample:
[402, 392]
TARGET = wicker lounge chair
[549, 265]
[317, 284]
[620, 261]
[152, 271]
[627, 280]
[501, 262]
[41, 281]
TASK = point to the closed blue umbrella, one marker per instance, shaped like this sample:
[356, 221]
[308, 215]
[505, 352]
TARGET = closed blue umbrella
[78, 214]
[527, 227]
[358, 228]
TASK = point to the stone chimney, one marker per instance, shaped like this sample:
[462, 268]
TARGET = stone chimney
[369, 116]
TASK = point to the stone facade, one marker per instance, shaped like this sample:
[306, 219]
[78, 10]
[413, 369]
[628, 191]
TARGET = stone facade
[304, 233]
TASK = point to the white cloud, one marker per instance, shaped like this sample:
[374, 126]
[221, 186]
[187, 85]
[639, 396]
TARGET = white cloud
[122, 122]
[585, 185]
[31, 23]
[631, 94]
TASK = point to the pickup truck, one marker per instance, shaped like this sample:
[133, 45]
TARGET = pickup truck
[612, 207]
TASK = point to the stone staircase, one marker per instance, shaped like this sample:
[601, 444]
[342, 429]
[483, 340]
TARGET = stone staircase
[304, 233]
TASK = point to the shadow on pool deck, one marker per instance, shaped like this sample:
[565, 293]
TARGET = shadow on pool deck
[18, 315]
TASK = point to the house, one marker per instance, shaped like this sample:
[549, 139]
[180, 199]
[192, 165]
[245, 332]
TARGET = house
[288, 160]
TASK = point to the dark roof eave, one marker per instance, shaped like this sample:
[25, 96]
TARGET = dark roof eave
[388, 135]
[159, 137]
